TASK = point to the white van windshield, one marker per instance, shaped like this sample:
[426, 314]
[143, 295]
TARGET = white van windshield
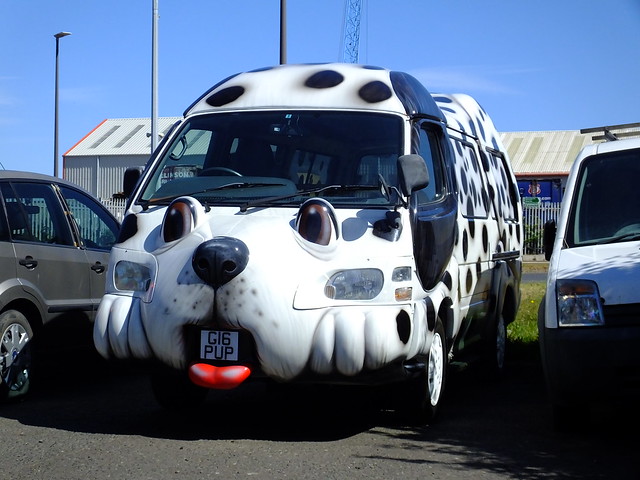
[233, 158]
[606, 208]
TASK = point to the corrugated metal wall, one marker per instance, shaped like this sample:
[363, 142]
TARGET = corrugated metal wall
[101, 176]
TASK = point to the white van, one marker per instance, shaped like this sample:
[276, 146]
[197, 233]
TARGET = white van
[589, 322]
[317, 223]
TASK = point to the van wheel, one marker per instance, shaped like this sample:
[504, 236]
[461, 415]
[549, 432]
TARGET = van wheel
[15, 355]
[174, 391]
[497, 348]
[426, 391]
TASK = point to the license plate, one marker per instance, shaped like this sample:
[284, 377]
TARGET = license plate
[219, 345]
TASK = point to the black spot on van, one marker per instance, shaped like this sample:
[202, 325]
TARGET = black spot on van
[465, 245]
[324, 79]
[403, 326]
[225, 96]
[485, 239]
[374, 92]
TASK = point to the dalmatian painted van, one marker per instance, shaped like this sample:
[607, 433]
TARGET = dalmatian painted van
[317, 223]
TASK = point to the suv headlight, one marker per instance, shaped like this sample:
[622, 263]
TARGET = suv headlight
[578, 303]
[358, 284]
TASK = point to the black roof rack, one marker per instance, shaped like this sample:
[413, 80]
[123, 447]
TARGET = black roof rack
[609, 134]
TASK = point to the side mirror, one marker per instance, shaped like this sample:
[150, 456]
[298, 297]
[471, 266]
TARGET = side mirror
[548, 238]
[131, 177]
[412, 173]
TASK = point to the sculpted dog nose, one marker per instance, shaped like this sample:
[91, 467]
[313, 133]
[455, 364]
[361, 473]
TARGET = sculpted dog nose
[220, 259]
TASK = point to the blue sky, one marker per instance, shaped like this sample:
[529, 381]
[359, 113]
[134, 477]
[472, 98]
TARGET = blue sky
[543, 65]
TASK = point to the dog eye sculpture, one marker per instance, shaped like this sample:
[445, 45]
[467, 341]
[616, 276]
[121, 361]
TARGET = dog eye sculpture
[316, 223]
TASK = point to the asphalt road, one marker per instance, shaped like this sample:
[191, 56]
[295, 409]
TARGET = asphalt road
[92, 420]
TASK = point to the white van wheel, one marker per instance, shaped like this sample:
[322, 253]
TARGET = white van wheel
[425, 392]
[435, 370]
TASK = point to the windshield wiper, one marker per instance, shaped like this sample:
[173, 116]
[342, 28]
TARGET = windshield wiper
[627, 237]
[263, 202]
[226, 186]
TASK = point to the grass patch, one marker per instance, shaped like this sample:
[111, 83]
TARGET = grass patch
[535, 267]
[522, 334]
[525, 327]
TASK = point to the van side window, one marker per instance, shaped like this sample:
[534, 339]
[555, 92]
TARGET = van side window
[429, 149]
[35, 214]
[507, 197]
[472, 188]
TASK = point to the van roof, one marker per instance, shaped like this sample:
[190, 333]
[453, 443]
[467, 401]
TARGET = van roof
[331, 85]
[611, 146]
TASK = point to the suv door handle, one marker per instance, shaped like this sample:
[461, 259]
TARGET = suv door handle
[28, 262]
[98, 267]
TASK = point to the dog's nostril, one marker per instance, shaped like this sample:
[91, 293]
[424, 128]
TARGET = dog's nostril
[203, 264]
[229, 266]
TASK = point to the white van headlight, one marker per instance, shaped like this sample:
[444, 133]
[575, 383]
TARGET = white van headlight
[578, 303]
[357, 284]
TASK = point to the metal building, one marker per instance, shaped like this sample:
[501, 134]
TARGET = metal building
[98, 161]
[541, 160]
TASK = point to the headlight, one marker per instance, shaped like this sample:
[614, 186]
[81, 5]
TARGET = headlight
[578, 303]
[133, 277]
[361, 284]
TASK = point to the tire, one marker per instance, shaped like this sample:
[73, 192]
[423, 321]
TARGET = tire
[497, 348]
[174, 391]
[15, 355]
[426, 391]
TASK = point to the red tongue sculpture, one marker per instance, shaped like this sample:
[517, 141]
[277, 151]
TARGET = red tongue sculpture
[221, 378]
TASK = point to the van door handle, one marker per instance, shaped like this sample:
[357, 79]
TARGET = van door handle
[28, 262]
[98, 267]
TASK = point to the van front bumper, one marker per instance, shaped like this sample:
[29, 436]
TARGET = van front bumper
[583, 364]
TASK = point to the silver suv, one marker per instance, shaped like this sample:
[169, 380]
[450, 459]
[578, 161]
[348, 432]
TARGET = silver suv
[55, 240]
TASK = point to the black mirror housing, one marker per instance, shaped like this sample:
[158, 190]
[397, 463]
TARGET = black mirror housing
[412, 173]
[548, 238]
[131, 177]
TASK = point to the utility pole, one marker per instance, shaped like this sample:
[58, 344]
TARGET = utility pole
[58, 36]
[154, 78]
[283, 32]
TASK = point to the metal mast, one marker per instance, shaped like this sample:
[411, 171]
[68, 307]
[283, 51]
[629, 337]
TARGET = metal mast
[351, 33]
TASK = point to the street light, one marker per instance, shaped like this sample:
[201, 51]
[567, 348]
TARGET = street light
[58, 36]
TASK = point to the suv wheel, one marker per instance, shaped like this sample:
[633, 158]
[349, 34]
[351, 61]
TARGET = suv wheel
[15, 354]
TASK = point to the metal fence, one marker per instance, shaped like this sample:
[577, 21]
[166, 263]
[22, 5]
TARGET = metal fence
[533, 220]
[116, 206]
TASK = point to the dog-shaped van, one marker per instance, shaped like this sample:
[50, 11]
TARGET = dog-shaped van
[321, 223]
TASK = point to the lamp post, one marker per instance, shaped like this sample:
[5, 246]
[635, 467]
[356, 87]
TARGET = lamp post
[154, 76]
[58, 36]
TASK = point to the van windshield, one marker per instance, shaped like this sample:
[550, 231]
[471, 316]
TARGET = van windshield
[235, 158]
[606, 205]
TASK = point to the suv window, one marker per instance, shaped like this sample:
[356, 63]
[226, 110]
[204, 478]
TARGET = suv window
[96, 228]
[35, 214]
